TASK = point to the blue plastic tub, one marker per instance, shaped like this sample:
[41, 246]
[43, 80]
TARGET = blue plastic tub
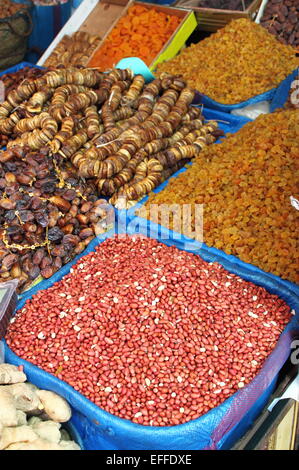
[220, 427]
[21, 65]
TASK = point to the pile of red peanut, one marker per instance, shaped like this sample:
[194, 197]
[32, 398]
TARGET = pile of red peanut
[150, 333]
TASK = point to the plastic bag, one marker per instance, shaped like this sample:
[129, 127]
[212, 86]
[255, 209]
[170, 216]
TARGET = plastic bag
[253, 110]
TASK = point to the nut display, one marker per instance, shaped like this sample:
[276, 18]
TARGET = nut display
[114, 128]
[245, 184]
[235, 63]
[150, 333]
[48, 215]
[281, 18]
[73, 50]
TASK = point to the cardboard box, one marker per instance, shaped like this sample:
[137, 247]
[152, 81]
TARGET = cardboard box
[100, 17]
[211, 19]
[176, 41]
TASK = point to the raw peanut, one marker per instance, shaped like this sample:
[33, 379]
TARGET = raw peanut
[137, 333]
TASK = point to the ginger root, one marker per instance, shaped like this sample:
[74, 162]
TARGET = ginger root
[69, 445]
[22, 418]
[8, 411]
[48, 430]
[56, 407]
[11, 435]
[10, 374]
[45, 410]
[37, 444]
[25, 398]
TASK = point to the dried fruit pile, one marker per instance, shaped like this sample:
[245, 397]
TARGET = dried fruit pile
[142, 33]
[47, 216]
[281, 18]
[113, 127]
[245, 184]
[73, 50]
[159, 336]
[14, 79]
[11, 81]
[240, 61]
[8, 8]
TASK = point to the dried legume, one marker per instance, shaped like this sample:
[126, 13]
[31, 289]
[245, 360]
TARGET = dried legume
[150, 333]
[73, 50]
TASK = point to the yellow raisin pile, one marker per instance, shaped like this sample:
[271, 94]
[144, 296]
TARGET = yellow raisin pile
[236, 63]
[245, 183]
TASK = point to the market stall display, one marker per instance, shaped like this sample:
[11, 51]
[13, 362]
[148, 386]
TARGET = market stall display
[243, 66]
[143, 133]
[245, 184]
[30, 418]
[155, 356]
[146, 342]
[73, 50]
[142, 32]
[94, 17]
[282, 19]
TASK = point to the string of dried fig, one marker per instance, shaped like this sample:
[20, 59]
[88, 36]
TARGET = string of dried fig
[113, 127]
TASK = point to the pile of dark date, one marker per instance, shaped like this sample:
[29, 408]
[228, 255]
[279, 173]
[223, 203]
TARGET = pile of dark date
[47, 215]
[281, 18]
